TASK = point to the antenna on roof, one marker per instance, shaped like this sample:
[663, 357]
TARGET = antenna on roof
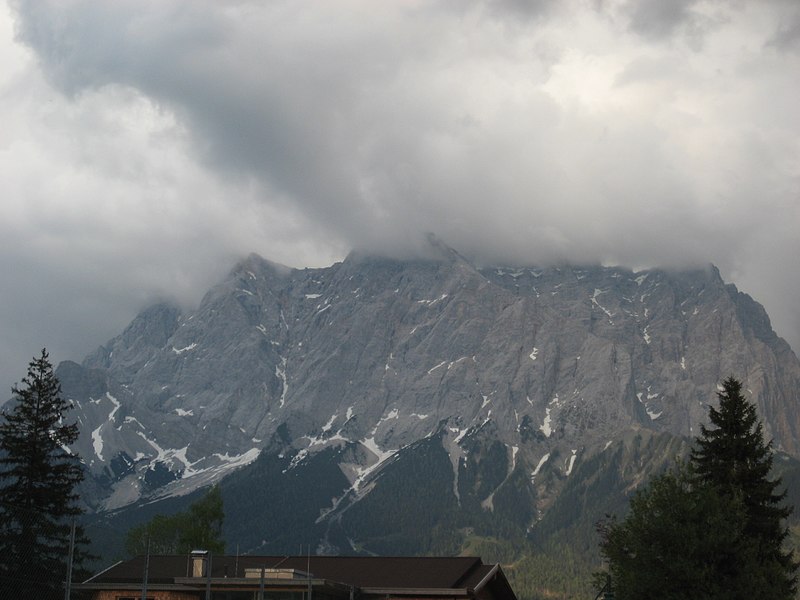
[236, 564]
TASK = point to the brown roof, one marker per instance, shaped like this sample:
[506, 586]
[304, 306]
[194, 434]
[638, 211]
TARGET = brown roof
[359, 571]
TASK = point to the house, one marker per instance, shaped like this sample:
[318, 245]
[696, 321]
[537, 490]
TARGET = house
[191, 577]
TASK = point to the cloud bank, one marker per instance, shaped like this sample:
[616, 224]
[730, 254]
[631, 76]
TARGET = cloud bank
[151, 141]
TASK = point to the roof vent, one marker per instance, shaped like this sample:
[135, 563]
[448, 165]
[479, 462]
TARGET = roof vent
[199, 563]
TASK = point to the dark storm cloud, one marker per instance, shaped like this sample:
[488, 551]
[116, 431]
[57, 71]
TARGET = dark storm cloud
[179, 134]
[787, 37]
[503, 9]
[659, 19]
[363, 118]
[263, 99]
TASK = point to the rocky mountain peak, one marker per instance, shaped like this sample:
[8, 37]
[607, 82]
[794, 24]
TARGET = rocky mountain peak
[374, 355]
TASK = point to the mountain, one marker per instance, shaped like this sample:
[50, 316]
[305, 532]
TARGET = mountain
[391, 406]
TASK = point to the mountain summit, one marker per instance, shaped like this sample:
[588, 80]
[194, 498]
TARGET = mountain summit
[501, 374]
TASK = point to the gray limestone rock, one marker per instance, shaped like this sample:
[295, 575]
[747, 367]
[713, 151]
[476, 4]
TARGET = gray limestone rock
[381, 353]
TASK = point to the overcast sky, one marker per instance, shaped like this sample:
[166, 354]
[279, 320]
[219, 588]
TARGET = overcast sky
[145, 144]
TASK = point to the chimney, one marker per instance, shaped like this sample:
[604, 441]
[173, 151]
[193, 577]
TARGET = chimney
[199, 563]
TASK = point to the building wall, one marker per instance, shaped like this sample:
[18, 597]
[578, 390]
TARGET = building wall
[154, 595]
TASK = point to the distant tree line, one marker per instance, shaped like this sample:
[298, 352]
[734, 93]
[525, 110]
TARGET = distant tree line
[197, 528]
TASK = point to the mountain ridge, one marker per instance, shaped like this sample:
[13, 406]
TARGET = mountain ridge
[518, 375]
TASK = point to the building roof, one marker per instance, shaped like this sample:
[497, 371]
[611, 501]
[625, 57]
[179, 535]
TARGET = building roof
[375, 574]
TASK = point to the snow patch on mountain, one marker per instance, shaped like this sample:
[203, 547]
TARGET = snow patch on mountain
[381, 457]
[545, 426]
[184, 349]
[280, 373]
[539, 465]
[571, 462]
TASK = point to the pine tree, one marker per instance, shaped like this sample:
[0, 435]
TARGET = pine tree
[713, 529]
[38, 479]
[733, 458]
[676, 541]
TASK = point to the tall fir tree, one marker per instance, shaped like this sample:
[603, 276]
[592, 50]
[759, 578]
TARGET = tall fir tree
[38, 480]
[676, 542]
[732, 457]
[713, 529]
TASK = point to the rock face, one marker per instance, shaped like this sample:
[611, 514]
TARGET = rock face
[531, 371]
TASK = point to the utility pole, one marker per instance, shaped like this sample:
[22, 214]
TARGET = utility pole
[308, 572]
[146, 567]
[208, 576]
[261, 586]
[68, 586]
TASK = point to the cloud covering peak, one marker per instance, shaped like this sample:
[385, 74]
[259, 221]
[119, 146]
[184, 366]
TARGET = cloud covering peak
[178, 134]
